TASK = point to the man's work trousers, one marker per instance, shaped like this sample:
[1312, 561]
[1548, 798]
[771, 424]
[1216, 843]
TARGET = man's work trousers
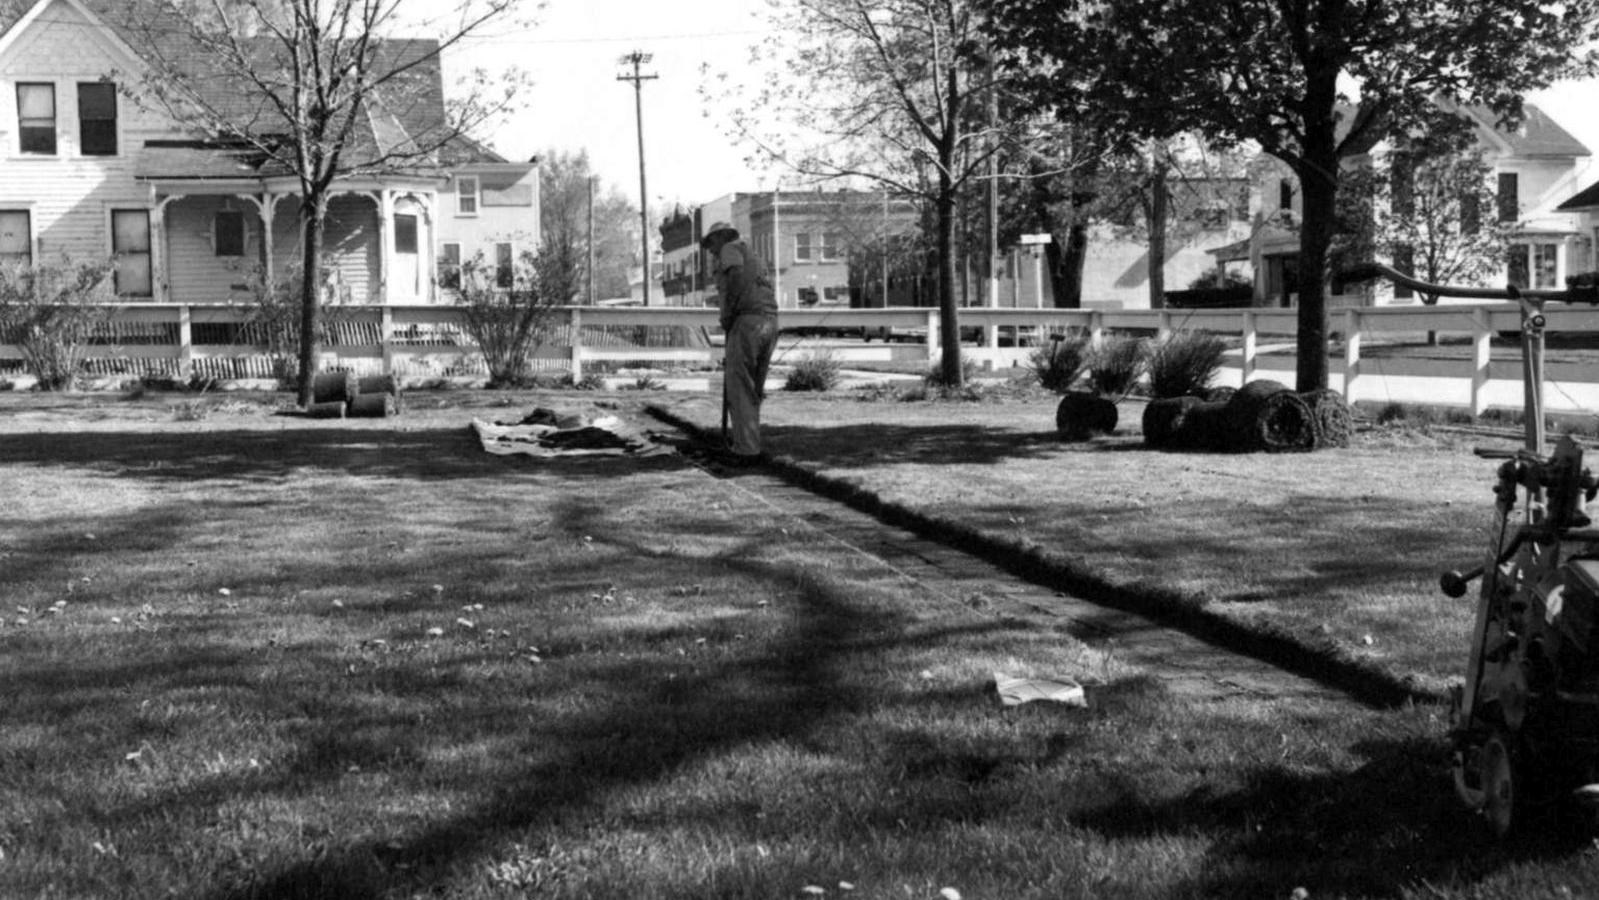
[750, 343]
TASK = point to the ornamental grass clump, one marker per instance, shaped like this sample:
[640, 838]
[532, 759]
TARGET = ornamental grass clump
[1059, 364]
[819, 373]
[1116, 365]
[1184, 364]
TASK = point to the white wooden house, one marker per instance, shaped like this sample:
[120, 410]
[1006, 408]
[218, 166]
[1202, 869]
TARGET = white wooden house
[90, 172]
[1536, 167]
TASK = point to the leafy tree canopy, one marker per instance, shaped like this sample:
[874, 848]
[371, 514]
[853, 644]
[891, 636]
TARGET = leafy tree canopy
[1310, 81]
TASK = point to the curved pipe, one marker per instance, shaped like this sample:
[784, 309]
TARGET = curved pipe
[1367, 271]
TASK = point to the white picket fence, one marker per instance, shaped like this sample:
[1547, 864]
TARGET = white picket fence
[428, 341]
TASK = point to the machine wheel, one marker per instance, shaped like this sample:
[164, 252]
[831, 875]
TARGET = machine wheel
[1503, 783]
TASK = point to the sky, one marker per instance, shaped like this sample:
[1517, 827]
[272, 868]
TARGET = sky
[576, 103]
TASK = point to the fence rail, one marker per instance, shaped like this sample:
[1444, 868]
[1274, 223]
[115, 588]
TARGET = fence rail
[428, 341]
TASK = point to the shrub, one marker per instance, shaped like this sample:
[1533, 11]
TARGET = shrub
[1184, 363]
[1115, 366]
[273, 322]
[53, 312]
[506, 316]
[819, 373]
[934, 377]
[593, 381]
[648, 383]
[1059, 363]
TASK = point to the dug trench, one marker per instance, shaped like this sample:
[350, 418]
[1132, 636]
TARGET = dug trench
[1166, 632]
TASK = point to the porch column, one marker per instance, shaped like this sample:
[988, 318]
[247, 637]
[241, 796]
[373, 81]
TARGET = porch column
[160, 291]
[266, 207]
[385, 199]
[427, 249]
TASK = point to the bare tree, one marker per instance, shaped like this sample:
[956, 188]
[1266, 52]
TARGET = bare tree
[887, 91]
[310, 87]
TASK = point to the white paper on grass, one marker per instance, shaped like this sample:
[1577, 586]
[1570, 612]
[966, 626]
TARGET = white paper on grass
[1014, 691]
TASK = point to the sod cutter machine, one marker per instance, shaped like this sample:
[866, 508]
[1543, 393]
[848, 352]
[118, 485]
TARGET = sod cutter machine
[1525, 723]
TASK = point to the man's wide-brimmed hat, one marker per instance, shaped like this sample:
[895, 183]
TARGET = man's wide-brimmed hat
[716, 230]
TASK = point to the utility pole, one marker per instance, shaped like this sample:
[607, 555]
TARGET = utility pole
[993, 182]
[638, 58]
[592, 179]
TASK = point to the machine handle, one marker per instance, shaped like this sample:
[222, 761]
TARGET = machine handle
[1454, 582]
[1577, 292]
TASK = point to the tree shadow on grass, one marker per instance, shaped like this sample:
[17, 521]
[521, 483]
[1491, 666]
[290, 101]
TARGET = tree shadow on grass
[660, 726]
[272, 454]
[1382, 830]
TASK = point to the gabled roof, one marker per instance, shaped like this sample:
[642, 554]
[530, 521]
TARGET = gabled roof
[1538, 135]
[1587, 198]
[405, 114]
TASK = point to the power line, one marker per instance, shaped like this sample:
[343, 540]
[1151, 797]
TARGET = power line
[516, 38]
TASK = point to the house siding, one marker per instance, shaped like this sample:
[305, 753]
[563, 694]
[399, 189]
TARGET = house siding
[69, 195]
[514, 219]
[194, 271]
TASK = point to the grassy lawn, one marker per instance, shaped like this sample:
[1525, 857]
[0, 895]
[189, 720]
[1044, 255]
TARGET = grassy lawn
[252, 656]
[1339, 550]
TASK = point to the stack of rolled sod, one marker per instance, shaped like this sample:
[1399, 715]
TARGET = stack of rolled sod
[335, 395]
[1261, 416]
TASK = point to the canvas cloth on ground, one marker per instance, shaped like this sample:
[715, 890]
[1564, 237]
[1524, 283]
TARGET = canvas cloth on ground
[539, 435]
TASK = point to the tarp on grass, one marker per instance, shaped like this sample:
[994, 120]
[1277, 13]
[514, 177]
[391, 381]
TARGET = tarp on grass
[605, 436]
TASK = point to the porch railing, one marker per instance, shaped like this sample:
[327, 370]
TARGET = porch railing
[429, 341]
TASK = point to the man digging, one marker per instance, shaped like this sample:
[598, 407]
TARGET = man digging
[749, 318]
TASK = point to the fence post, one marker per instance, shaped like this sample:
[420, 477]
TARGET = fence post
[991, 342]
[1351, 352]
[1251, 347]
[1163, 325]
[933, 337]
[386, 338]
[575, 341]
[1096, 329]
[1481, 354]
[185, 342]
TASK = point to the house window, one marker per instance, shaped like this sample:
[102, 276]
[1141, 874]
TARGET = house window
[466, 195]
[404, 233]
[1545, 265]
[16, 239]
[1285, 194]
[1534, 265]
[830, 245]
[36, 118]
[807, 296]
[504, 266]
[228, 233]
[802, 247]
[130, 246]
[450, 266]
[97, 119]
[1509, 197]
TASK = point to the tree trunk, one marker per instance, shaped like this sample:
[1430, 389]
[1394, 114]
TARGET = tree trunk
[1318, 173]
[1156, 209]
[1066, 265]
[313, 216]
[949, 333]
